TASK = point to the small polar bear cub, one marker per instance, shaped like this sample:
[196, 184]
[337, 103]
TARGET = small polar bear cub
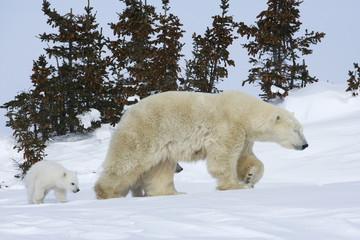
[44, 176]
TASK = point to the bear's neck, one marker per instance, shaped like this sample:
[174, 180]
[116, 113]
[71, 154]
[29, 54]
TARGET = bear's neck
[257, 127]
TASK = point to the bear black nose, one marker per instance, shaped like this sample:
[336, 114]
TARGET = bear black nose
[77, 190]
[304, 146]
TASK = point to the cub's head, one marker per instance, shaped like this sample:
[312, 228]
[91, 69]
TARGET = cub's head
[70, 181]
[286, 130]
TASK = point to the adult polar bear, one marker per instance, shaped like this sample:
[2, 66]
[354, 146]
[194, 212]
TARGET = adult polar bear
[181, 126]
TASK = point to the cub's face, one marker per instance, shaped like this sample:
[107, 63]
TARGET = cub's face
[71, 182]
[287, 131]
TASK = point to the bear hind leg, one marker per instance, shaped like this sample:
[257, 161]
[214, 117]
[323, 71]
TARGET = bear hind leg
[30, 193]
[159, 180]
[137, 188]
[38, 196]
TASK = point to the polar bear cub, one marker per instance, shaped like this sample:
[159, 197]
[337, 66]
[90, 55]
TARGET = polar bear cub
[44, 176]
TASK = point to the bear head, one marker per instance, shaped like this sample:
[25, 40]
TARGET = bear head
[285, 130]
[70, 181]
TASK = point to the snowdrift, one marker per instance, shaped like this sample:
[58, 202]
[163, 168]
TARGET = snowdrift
[313, 194]
[322, 102]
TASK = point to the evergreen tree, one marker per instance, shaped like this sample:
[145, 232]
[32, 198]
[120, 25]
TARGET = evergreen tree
[60, 93]
[28, 117]
[354, 80]
[81, 71]
[275, 49]
[146, 52]
[166, 68]
[19, 112]
[91, 66]
[132, 52]
[210, 54]
[42, 97]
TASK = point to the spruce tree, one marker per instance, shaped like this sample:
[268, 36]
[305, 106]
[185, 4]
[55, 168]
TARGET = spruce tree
[146, 53]
[62, 91]
[28, 116]
[210, 54]
[275, 49]
[167, 56]
[81, 71]
[91, 65]
[19, 111]
[43, 99]
[132, 52]
[354, 80]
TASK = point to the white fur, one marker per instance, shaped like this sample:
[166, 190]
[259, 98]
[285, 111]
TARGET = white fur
[44, 176]
[180, 126]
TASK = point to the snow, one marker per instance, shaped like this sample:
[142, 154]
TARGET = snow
[132, 100]
[275, 89]
[86, 118]
[310, 194]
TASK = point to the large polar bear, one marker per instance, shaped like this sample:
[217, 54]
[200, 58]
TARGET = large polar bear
[44, 176]
[181, 126]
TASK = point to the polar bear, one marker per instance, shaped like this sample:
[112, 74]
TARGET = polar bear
[165, 128]
[44, 176]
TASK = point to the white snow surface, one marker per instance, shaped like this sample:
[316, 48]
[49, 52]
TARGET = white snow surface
[275, 89]
[304, 195]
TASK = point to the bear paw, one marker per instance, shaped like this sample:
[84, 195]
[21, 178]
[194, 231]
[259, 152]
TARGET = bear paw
[248, 179]
[230, 186]
[38, 201]
[252, 176]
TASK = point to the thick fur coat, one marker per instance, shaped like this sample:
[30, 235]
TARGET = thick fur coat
[44, 176]
[165, 128]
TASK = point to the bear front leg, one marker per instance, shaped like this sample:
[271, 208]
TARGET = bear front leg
[60, 194]
[250, 170]
[137, 189]
[222, 166]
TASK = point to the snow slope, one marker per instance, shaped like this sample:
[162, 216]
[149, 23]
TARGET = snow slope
[312, 194]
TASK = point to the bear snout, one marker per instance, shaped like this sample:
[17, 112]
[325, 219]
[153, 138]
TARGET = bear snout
[304, 146]
[76, 190]
[301, 147]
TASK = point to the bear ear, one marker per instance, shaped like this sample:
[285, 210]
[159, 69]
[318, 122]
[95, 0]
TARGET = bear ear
[64, 174]
[276, 118]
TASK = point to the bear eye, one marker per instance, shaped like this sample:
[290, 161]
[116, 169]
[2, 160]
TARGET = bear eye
[72, 183]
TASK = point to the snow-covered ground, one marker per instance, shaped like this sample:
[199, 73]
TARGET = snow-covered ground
[312, 194]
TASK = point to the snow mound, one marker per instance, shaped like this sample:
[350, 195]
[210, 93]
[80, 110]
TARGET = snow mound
[321, 102]
[275, 89]
[88, 117]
